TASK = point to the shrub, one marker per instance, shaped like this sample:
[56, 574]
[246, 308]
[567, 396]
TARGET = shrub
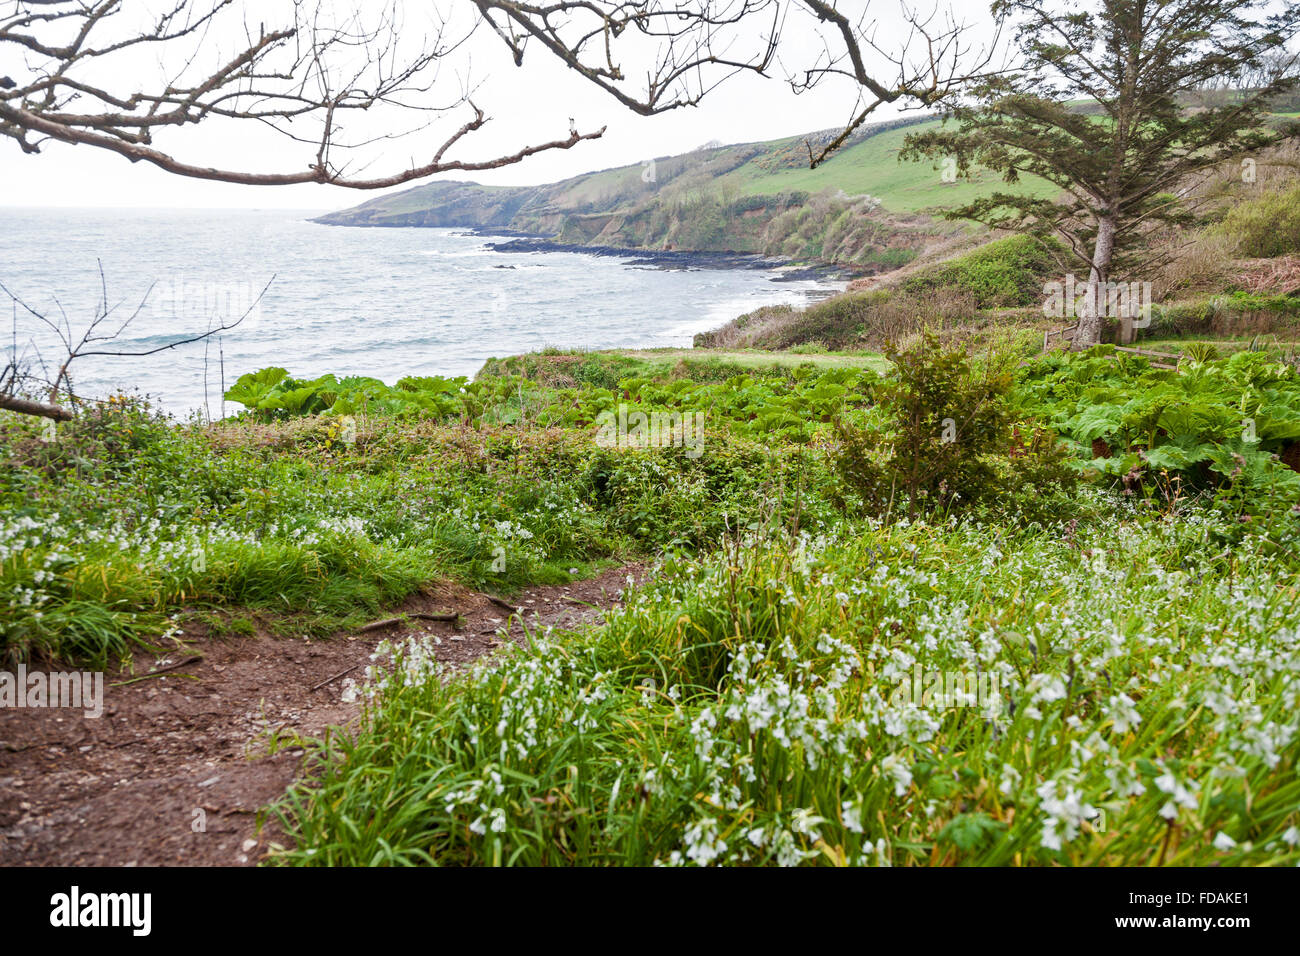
[1183, 318]
[1003, 273]
[1265, 227]
[949, 439]
[891, 258]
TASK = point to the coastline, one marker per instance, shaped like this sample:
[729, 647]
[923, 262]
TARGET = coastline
[666, 259]
[680, 259]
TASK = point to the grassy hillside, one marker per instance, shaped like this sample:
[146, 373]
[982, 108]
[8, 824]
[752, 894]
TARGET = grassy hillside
[868, 166]
[861, 208]
[1232, 273]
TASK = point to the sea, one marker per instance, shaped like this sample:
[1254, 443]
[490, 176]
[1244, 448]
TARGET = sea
[312, 298]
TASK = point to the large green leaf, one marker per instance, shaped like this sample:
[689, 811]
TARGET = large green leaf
[250, 388]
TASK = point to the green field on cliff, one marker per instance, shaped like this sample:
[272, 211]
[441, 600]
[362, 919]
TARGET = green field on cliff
[862, 207]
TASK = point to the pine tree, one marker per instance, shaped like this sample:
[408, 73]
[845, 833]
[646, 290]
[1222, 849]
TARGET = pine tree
[1100, 105]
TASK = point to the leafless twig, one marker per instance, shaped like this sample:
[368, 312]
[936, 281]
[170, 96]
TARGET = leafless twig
[81, 346]
[73, 72]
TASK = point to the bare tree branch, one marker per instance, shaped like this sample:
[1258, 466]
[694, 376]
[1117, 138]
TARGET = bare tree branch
[694, 45]
[303, 68]
[15, 378]
[895, 73]
[27, 407]
[302, 77]
[693, 42]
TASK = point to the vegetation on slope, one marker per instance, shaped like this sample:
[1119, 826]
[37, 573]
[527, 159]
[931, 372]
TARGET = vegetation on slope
[860, 208]
[1233, 272]
[1116, 665]
[1007, 272]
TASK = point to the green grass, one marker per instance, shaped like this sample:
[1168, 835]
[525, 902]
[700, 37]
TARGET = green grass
[757, 358]
[758, 709]
[872, 167]
[1134, 648]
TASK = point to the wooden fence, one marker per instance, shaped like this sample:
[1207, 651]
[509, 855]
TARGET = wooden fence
[1167, 360]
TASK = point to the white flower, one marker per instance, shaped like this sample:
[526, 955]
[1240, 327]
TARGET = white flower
[702, 843]
[1046, 688]
[1182, 796]
[1223, 842]
[805, 821]
[1051, 839]
[1010, 780]
[1122, 713]
[1065, 811]
[897, 768]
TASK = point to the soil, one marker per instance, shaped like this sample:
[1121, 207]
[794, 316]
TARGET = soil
[1290, 456]
[180, 765]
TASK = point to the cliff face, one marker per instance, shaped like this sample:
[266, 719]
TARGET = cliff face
[466, 205]
[861, 209]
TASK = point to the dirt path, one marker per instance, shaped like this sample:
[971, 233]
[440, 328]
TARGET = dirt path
[176, 769]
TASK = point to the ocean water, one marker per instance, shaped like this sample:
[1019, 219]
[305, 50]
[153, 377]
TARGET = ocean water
[352, 301]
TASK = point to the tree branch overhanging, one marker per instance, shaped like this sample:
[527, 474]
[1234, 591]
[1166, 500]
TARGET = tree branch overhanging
[299, 69]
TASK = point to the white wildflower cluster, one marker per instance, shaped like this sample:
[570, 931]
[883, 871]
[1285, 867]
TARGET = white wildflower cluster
[509, 531]
[532, 711]
[1181, 793]
[1062, 803]
[801, 750]
[479, 799]
[345, 525]
[407, 664]
[585, 712]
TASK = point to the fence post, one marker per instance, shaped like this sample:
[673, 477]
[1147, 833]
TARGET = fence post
[1126, 331]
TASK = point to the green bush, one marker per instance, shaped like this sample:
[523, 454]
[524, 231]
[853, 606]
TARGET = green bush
[1183, 318]
[891, 258]
[1253, 302]
[948, 439]
[1001, 274]
[1265, 227]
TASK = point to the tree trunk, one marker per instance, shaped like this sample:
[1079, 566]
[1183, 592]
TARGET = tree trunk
[25, 407]
[1095, 299]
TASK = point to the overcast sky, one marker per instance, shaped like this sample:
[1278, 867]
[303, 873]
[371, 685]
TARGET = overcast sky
[527, 104]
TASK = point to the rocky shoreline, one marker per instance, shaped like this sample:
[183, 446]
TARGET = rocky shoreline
[673, 259]
[666, 259]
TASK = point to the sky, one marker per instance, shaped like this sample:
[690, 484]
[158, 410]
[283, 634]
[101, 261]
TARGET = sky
[528, 104]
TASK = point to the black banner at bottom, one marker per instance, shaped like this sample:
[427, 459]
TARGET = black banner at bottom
[216, 906]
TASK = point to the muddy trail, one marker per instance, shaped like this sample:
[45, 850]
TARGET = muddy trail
[179, 765]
